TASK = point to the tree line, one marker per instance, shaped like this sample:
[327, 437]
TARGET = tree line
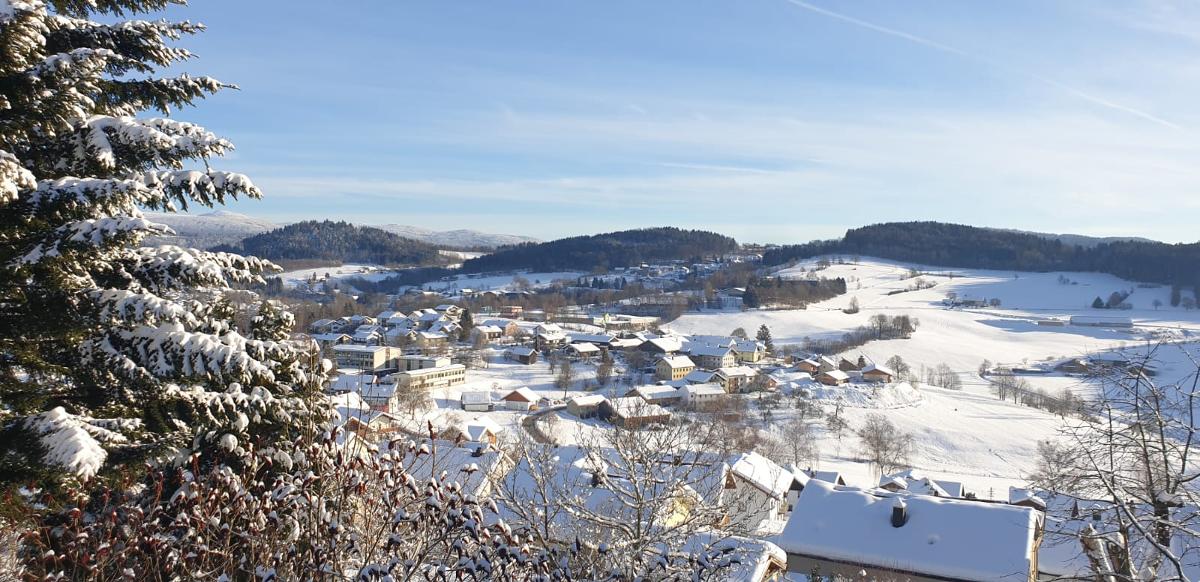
[956, 245]
[615, 249]
[337, 242]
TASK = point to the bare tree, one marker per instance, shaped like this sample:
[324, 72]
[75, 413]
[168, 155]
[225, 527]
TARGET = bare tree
[1133, 448]
[565, 377]
[634, 500]
[794, 443]
[885, 447]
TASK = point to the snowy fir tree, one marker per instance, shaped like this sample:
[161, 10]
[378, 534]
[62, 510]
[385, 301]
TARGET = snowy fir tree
[112, 353]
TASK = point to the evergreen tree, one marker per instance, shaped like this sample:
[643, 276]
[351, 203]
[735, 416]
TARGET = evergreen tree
[1098, 303]
[466, 323]
[764, 336]
[111, 352]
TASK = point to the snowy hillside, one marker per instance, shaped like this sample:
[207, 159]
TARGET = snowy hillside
[456, 238]
[959, 337]
[208, 230]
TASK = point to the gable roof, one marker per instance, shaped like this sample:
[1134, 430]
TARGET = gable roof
[763, 473]
[476, 397]
[523, 394]
[679, 362]
[965, 540]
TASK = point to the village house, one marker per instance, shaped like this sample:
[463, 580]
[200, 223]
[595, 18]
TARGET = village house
[476, 401]
[521, 354]
[488, 463]
[662, 345]
[749, 351]
[325, 326]
[660, 394]
[878, 374]
[479, 430]
[673, 368]
[380, 396]
[549, 336]
[833, 378]
[736, 379]
[585, 406]
[632, 412]
[702, 395]
[508, 327]
[916, 483]
[512, 311]
[584, 352]
[826, 364]
[758, 488]
[700, 377]
[848, 365]
[490, 333]
[432, 340]
[712, 357]
[852, 533]
[431, 378]
[326, 341]
[521, 399]
[808, 365]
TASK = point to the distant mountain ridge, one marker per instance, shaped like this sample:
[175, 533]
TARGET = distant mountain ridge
[208, 230]
[222, 227]
[459, 238]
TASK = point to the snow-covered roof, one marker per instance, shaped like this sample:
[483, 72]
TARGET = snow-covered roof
[964, 540]
[357, 348]
[667, 344]
[489, 329]
[595, 338]
[378, 391]
[737, 372]
[351, 382]
[636, 407]
[763, 473]
[702, 389]
[520, 350]
[878, 368]
[699, 376]
[655, 391]
[471, 465]
[522, 394]
[917, 483]
[588, 400]
[330, 337]
[585, 348]
[1022, 495]
[836, 375]
[622, 343]
[476, 397]
[707, 350]
[679, 362]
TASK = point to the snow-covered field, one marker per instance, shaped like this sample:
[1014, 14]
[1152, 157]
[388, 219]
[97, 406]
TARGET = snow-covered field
[504, 282]
[369, 272]
[962, 338]
[964, 435]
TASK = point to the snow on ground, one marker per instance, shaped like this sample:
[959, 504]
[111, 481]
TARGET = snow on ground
[504, 282]
[369, 272]
[962, 338]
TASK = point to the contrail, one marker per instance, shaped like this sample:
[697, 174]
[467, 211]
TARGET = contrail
[997, 65]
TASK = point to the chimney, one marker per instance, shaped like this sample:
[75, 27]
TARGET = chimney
[597, 479]
[478, 452]
[899, 512]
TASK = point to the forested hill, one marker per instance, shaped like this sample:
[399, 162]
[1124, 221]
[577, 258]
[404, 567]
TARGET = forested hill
[955, 245]
[614, 249]
[335, 241]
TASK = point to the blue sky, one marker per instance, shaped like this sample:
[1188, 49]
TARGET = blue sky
[768, 120]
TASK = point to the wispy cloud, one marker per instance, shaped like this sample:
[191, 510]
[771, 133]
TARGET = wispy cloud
[1074, 91]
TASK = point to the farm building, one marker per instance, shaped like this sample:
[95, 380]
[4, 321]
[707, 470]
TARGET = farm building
[522, 354]
[476, 401]
[585, 406]
[520, 399]
[633, 412]
[833, 378]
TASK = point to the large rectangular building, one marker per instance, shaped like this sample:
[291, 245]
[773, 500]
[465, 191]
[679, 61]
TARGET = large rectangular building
[430, 378]
[365, 358]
